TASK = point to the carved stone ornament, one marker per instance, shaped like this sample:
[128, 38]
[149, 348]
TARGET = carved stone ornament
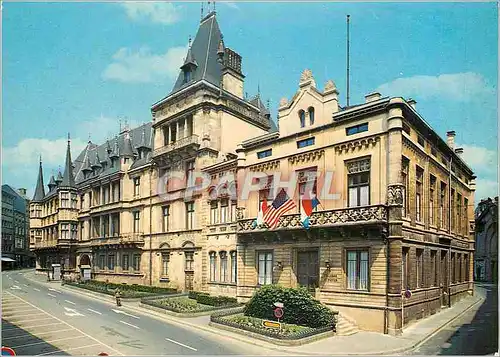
[395, 195]
[329, 86]
[306, 75]
[240, 212]
[283, 102]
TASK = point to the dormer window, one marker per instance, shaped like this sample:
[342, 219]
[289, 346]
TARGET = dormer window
[302, 117]
[187, 75]
[311, 115]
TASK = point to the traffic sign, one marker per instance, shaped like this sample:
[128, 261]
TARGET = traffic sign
[271, 324]
[7, 351]
[278, 312]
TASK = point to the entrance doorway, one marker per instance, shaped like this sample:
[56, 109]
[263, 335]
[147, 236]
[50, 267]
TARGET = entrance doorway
[308, 269]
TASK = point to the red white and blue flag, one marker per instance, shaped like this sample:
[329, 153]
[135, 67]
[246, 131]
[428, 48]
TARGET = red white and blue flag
[281, 205]
[307, 207]
[260, 217]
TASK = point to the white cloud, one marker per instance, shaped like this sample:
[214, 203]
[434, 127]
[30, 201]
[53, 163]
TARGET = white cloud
[230, 4]
[102, 128]
[479, 158]
[143, 66]
[485, 188]
[457, 86]
[157, 12]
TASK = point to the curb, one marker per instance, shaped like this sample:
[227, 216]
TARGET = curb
[412, 345]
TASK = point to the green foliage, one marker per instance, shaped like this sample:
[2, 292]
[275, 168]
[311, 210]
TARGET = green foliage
[127, 291]
[181, 304]
[206, 299]
[286, 329]
[300, 308]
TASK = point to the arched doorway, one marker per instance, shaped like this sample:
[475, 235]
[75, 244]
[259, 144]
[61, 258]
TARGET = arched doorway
[85, 268]
[84, 260]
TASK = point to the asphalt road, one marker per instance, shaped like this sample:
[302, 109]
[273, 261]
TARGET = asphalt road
[475, 333]
[39, 319]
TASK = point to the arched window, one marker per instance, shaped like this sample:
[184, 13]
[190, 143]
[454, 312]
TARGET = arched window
[302, 116]
[311, 115]
[212, 266]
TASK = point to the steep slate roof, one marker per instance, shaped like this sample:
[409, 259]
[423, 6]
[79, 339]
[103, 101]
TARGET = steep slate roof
[91, 150]
[204, 52]
[40, 189]
[68, 178]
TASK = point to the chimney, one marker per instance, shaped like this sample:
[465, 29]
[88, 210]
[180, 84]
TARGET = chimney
[412, 102]
[459, 151]
[372, 97]
[22, 191]
[451, 139]
[232, 76]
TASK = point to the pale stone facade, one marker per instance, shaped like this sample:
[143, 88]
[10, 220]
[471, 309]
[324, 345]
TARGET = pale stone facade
[378, 239]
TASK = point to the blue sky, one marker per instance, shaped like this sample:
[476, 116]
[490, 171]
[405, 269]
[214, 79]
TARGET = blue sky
[79, 67]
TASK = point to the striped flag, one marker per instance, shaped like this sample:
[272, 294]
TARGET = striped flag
[281, 204]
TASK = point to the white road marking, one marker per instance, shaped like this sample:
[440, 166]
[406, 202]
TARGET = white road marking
[95, 312]
[29, 320]
[25, 285]
[70, 302]
[15, 287]
[36, 289]
[34, 326]
[71, 312]
[67, 349]
[63, 322]
[47, 342]
[10, 278]
[126, 323]
[38, 334]
[181, 344]
[57, 291]
[15, 281]
[124, 313]
[51, 295]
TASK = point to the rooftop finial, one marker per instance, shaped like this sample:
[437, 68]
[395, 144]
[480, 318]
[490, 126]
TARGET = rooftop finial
[268, 104]
[89, 138]
[189, 41]
[214, 5]
[69, 138]
[120, 121]
[258, 90]
[40, 159]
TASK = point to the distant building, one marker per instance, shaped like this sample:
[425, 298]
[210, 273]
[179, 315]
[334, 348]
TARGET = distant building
[15, 227]
[486, 258]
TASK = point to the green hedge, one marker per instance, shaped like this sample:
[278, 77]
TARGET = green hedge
[300, 308]
[126, 290]
[206, 299]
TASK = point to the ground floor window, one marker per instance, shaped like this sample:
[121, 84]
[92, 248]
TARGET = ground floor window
[125, 262]
[212, 266]
[111, 262]
[357, 269]
[101, 262]
[137, 262]
[265, 267]
[223, 267]
[189, 261]
[233, 267]
[165, 259]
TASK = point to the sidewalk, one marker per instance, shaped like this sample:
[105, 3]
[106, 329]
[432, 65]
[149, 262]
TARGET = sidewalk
[361, 343]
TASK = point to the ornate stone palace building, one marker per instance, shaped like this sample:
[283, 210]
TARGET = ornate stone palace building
[403, 219]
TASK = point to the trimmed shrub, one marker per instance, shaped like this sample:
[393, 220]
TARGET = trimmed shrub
[127, 290]
[300, 308]
[215, 300]
[195, 294]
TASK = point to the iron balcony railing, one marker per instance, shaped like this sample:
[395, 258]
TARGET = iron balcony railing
[335, 217]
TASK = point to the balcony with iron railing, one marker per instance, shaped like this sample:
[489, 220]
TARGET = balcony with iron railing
[191, 141]
[376, 214]
[125, 238]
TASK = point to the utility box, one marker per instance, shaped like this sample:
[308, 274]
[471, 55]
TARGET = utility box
[56, 271]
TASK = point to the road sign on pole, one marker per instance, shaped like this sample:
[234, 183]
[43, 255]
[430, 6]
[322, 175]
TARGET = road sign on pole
[7, 351]
[278, 312]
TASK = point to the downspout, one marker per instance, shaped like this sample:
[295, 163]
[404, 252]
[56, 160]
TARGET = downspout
[150, 227]
[449, 231]
[386, 317]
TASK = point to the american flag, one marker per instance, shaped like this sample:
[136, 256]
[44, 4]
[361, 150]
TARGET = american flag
[281, 204]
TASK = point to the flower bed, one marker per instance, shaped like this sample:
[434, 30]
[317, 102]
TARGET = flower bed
[127, 291]
[193, 302]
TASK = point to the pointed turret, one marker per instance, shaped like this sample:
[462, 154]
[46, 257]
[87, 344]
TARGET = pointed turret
[142, 144]
[59, 177]
[128, 150]
[108, 148]
[87, 167]
[52, 184]
[116, 150]
[97, 162]
[68, 178]
[40, 189]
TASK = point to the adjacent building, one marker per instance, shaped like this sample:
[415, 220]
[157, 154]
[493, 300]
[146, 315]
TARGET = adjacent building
[15, 227]
[401, 220]
[486, 255]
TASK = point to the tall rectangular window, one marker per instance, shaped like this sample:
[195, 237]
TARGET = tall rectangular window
[102, 264]
[64, 199]
[459, 268]
[111, 262]
[223, 267]
[190, 215]
[165, 218]
[65, 231]
[136, 215]
[357, 269]
[453, 210]
[224, 211]
[432, 191]
[405, 278]
[418, 193]
[213, 262]
[442, 200]
[358, 183]
[189, 261]
[466, 262]
[458, 229]
[137, 186]
[190, 173]
[214, 212]
[125, 262]
[137, 262]
[434, 276]
[307, 180]
[420, 268]
[405, 164]
[265, 267]
[165, 259]
[74, 231]
[453, 268]
[233, 211]
[466, 217]
[233, 267]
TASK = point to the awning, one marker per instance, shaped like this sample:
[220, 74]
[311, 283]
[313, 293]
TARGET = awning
[5, 259]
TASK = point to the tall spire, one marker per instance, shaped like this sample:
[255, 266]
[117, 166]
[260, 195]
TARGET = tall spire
[68, 178]
[40, 189]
